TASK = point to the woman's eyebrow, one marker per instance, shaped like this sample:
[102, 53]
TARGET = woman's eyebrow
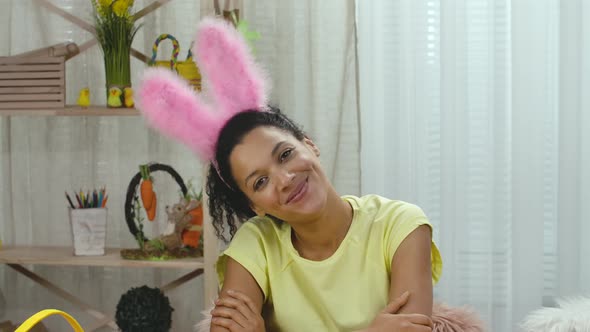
[277, 147]
[249, 176]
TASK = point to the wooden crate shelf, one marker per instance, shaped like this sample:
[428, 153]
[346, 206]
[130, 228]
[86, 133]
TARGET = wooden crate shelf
[35, 82]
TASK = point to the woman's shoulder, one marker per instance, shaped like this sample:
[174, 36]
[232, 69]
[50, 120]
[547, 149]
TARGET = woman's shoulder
[262, 229]
[381, 207]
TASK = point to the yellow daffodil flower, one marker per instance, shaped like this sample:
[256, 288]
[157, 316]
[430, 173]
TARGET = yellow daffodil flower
[120, 7]
[104, 3]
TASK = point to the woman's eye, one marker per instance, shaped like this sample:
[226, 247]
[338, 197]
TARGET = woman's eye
[258, 184]
[285, 154]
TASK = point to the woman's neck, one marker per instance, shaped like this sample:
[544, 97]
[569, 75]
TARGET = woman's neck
[320, 238]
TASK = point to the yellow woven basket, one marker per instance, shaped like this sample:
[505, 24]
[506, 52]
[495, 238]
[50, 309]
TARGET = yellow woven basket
[186, 69]
[36, 318]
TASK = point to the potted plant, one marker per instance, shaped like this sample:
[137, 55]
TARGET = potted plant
[115, 29]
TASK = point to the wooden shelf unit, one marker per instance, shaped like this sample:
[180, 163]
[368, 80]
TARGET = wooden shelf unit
[64, 256]
[71, 110]
[17, 256]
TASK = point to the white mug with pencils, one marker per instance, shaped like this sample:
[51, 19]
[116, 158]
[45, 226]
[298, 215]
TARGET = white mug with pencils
[88, 218]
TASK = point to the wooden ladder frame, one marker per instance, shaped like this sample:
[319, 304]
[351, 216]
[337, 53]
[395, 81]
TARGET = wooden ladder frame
[90, 28]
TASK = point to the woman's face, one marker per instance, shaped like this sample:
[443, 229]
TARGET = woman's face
[281, 175]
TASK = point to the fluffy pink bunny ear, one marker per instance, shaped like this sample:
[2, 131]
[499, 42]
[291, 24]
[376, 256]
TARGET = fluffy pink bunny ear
[233, 79]
[170, 105]
[234, 83]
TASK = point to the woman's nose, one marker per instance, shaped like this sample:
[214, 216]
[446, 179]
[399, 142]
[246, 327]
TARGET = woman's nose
[284, 178]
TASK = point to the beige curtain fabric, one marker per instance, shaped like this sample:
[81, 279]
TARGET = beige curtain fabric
[308, 48]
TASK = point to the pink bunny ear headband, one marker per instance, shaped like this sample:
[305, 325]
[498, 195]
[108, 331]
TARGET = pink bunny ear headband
[234, 83]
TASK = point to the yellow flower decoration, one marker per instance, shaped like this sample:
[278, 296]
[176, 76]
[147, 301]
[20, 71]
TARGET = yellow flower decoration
[115, 28]
[104, 3]
[101, 6]
[121, 7]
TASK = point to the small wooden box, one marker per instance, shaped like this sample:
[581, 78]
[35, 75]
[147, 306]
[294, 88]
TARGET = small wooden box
[32, 82]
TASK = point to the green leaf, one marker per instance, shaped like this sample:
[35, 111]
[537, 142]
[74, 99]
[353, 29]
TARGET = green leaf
[249, 36]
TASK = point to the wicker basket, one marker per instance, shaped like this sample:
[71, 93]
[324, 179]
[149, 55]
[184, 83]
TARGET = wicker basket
[186, 69]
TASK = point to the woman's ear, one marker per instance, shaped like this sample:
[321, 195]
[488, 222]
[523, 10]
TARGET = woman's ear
[311, 145]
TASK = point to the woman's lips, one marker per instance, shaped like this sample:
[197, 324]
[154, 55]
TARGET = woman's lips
[298, 193]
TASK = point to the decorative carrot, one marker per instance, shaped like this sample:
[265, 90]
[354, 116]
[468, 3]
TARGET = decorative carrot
[151, 213]
[148, 196]
[192, 235]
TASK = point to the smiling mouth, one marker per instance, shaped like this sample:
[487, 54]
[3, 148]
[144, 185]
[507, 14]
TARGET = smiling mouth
[298, 193]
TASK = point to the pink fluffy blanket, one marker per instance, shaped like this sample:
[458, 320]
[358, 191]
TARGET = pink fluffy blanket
[455, 319]
[445, 318]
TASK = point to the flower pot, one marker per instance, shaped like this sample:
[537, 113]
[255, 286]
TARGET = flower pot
[115, 28]
[118, 79]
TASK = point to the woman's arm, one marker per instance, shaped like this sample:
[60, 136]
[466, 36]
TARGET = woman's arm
[411, 271]
[230, 309]
[410, 293]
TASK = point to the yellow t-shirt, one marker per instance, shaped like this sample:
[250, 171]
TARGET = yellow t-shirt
[341, 293]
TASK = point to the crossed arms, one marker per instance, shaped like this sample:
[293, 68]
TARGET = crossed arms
[239, 306]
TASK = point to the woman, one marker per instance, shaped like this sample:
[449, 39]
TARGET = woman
[306, 259]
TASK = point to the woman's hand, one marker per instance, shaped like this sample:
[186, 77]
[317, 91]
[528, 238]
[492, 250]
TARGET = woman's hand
[388, 319]
[237, 313]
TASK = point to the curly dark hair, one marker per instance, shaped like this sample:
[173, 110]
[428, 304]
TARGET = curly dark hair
[228, 205]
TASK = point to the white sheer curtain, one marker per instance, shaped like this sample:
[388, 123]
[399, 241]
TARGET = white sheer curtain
[309, 49]
[475, 110]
